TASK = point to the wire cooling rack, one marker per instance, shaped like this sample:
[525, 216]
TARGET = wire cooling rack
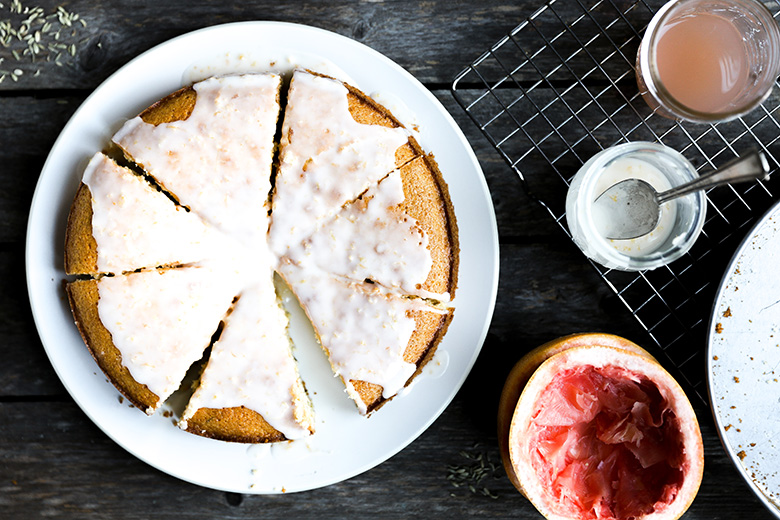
[559, 88]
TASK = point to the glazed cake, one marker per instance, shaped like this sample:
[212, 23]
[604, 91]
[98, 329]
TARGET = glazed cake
[375, 340]
[146, 328]
[135, 225]
[251, 371]
[177, 252]
[211, 146]
[335, 144]
[399, 234]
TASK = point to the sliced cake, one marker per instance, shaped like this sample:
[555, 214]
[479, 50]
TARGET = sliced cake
[400, 234]
[250, 390]
[118, 222]
[211, 146]
[180, 250]
[146, 328]
[336, 142]
[375, 341]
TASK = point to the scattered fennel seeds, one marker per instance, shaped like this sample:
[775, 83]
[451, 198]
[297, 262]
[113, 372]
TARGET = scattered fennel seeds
[472, 475]
[29, 35]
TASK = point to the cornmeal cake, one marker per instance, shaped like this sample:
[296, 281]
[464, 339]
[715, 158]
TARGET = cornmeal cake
[146, 328]
[211, 146]
[335, 144]
[118, 222]
[400, 233]
[176, 252]
[250, 390]
[376, 341]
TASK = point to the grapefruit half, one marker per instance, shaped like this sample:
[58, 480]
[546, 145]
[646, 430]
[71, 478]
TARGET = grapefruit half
[592, 427]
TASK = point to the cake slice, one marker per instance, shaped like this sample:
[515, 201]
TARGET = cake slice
[250, 390]
[146, 328]
[211, 146]
[336, 142]
[118, 222]
[400, 234]
[376, 342]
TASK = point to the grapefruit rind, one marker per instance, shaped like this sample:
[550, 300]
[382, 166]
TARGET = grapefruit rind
[561, 355]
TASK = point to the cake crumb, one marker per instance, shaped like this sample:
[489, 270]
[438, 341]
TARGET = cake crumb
[727, 313]
[718, 328]
[736, 379]
[742, 455]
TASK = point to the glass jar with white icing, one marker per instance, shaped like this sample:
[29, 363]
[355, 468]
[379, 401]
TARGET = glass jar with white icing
[680, 221]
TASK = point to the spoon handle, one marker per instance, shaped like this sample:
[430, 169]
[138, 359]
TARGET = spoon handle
[751, 166]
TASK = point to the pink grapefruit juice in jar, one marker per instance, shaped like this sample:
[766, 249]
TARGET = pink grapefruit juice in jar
[708, 60]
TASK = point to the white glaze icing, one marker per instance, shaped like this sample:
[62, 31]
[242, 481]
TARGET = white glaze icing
[327, 158]
[136, 226]
[372, 238]
[251, 365]
[218, 161]
[162, 321]
[364, 330]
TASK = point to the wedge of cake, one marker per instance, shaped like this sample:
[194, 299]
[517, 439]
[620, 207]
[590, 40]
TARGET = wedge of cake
[377, 342]
[146, 328]
[250, 390]
[211, 146]
[400, 234]
[336, 142]
[118, 223]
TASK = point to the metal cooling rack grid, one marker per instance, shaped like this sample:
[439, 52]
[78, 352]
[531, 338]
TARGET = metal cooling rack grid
[559, 88]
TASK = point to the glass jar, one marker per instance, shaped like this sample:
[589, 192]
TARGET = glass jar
[681, 219]
[719, 58]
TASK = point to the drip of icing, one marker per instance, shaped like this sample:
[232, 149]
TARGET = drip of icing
[162, 321]
[437, 366]
[327, 158]
[136, 226]
[217, 161]
[251, 365]
[364, 330]
[372, 238]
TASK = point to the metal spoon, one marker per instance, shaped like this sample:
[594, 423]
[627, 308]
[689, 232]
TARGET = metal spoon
[631, 208]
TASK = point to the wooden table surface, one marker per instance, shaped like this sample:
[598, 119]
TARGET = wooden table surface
[54, 462]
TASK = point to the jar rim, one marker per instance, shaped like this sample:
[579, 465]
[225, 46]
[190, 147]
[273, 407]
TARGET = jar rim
[646, 59]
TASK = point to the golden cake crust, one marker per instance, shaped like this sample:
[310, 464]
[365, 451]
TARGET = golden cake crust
[237, 424]
[80, 245]
[427, 200]
[83, 298]
[177, 106]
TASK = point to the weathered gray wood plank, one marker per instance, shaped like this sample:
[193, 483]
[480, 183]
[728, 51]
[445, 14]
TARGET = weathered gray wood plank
[419, 36]
[25, 369]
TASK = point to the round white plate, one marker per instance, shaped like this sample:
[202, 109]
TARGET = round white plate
[345, 443]
[743, 359]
